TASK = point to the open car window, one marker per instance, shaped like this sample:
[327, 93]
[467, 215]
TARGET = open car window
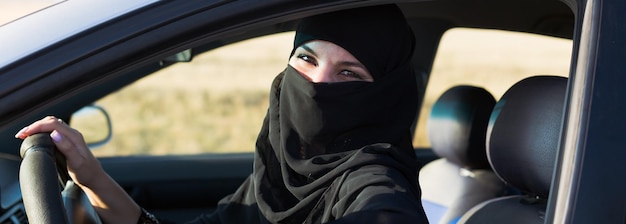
[495, 60]
[213, 104]
[216, 103]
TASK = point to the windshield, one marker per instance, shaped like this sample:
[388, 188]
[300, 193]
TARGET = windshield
[14, 9]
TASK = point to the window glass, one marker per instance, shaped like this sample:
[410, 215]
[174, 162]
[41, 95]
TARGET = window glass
[214, 104]
[494, 60]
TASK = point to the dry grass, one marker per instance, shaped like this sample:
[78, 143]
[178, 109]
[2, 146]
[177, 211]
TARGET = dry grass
[179, 121]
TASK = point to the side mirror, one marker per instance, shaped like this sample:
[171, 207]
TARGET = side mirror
[183, 56]
[94, 123]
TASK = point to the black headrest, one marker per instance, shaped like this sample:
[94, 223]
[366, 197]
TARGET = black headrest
[524, 133]
[457, 126]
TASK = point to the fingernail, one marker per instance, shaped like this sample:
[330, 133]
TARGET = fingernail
[21, 132]
[56, 137]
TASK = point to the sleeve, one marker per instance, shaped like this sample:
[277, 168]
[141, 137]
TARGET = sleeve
[378, 194]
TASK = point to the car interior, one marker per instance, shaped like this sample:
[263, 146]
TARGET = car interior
[475, 170]
[462, 177]
[532, 109]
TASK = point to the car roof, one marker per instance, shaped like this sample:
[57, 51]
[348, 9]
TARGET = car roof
[57, 22]
[547, 17]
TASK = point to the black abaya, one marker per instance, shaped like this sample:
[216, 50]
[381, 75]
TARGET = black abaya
[338, 152]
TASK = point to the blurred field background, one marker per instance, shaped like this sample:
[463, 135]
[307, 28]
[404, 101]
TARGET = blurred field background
[217, 102]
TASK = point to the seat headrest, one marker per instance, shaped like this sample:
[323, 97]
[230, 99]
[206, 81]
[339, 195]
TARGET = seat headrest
[457, 126]
[524, 133]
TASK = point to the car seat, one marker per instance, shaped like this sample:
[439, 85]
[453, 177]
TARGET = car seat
[462, 177]
[522, 142]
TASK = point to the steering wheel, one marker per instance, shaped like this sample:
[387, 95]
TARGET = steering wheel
[43, 173]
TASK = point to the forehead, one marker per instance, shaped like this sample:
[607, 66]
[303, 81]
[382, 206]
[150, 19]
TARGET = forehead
[323, 48]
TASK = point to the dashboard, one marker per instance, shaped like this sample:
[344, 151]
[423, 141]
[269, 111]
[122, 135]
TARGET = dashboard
[11, 207]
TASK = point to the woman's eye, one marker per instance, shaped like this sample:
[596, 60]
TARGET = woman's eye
[351, 74]
[308, 59]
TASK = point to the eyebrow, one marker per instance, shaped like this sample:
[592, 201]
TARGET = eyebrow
[307, 48]
[344, 63]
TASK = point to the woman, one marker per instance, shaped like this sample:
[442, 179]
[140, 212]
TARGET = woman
[335, 145]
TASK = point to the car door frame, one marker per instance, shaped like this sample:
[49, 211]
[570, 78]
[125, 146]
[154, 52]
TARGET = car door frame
[588, 187]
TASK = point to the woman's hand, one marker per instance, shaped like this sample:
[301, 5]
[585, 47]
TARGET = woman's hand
[83, 167]
[108, 198]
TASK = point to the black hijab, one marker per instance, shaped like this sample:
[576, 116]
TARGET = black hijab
[324, 145]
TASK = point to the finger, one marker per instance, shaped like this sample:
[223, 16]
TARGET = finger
[72, 139]
[71, 151]
[47, 124]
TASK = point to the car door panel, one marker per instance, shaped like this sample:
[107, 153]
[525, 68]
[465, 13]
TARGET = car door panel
[178, 188]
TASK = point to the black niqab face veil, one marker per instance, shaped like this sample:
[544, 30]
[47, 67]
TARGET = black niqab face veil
[332, 117]
[317, 135]
[314, 128]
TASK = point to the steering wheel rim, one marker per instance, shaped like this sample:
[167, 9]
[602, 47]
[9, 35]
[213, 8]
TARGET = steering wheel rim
[40, 177]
